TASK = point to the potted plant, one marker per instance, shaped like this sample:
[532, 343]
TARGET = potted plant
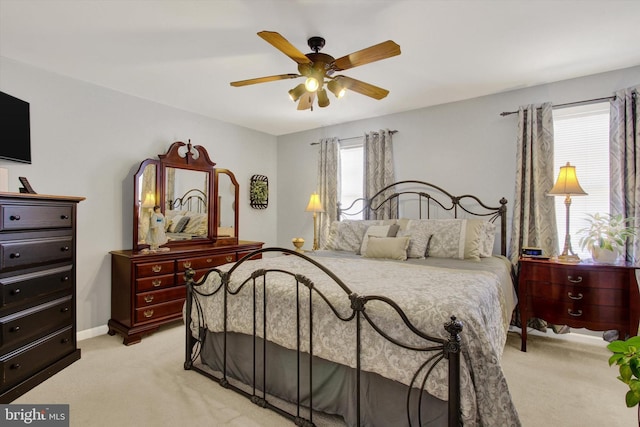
[626, 354]
[606, 235]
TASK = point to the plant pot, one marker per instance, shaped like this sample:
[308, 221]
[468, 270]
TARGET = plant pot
[604, 256]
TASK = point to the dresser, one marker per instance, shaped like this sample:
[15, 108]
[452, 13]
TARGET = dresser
[148, 289]
[38, 289]
[585, 295]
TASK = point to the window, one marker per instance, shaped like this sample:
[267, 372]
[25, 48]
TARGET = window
[351, 176]
[581, 137]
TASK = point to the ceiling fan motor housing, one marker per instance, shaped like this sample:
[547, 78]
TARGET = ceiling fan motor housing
[315, 43]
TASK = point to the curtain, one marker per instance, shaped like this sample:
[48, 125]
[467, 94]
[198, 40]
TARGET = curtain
[328, 186]
[624, 161]
[534, 219]
[378, 169]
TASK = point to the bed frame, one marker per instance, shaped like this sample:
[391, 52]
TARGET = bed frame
[430, 199]
[193, 200]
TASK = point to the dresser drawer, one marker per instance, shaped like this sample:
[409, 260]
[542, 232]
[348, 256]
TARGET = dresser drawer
[580, 315]
[154, 312]
[155, 282]
[612, 297]
[35, 322]
[206, 262]
[20, 253]
[156, 297]
[26, 361]
[19, 217]
[154, 268]
[25, 287]
[602, 277]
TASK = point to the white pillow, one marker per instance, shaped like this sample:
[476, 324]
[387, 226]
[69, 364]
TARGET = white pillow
[378, 231]
[387, 247]
[347, 235]
[455, 238]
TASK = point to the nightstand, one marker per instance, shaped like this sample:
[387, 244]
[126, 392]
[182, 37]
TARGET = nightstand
[599, 297]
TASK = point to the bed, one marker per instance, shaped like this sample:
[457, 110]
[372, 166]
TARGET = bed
[361, 333]
[187, 215]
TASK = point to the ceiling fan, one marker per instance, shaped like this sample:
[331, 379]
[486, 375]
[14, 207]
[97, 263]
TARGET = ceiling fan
[319, 68]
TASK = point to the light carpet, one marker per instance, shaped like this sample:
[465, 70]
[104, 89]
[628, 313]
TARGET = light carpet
[557, 382]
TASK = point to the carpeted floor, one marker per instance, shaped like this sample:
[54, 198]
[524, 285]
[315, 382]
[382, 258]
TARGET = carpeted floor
[556, 383]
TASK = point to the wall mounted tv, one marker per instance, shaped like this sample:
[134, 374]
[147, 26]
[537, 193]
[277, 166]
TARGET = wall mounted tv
[15, 133]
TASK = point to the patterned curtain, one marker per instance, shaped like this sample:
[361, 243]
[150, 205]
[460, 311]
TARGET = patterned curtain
[378, 169]
[328, 186]
[624, 160]
[534, 218]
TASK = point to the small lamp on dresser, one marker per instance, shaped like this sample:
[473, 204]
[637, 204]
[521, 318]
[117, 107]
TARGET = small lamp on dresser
[567, 185]
[315, 206]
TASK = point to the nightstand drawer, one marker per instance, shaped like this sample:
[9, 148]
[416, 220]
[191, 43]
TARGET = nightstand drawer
[576, 293]
[579, 315]
[601, 277]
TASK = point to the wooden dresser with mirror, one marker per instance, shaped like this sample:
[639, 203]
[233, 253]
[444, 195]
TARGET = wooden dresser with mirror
[199, 203]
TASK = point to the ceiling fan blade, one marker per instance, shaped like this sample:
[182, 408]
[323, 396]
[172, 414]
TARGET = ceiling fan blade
[264, 79]
[362, 87]
[283, 45]
[306, 101]
[371, 54]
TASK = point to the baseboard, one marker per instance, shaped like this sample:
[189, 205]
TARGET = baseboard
[90, 333]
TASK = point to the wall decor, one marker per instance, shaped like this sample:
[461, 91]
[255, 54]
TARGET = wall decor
[259, 192]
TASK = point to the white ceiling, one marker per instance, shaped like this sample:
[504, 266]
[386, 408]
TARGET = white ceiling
[184, 53]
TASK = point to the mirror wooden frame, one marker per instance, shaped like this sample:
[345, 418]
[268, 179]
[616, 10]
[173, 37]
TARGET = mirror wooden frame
[185, 156]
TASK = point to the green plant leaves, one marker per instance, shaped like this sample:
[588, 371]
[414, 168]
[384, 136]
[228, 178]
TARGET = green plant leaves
[626, 354]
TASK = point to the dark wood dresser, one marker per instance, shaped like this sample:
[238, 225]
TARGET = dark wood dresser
[148, 290]
[599, 297]
[38, 281]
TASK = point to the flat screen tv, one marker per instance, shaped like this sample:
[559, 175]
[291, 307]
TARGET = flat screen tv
[15, 133]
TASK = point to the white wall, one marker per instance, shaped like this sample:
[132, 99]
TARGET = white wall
[88, 141]
[465, 147]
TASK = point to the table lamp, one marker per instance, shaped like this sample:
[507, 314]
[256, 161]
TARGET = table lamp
[567, 185]
[315, 206]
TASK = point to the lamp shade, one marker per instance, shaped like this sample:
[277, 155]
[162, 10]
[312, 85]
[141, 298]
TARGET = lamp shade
[149, 200]
[567, 183]
[314, 204]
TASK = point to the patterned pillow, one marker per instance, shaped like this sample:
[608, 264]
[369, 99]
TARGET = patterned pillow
[378, 231]
[419, 234]
[347, 235]
[178, 225]
[387, 247]
[455, 238]
[488, 239]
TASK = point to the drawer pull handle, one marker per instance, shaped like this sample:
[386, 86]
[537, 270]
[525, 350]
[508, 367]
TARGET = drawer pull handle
[64, 309]
[15, 329]
[14, 255]
[572, 296]
[148, 298]
[64, 249]
[572, 280]
[16, 291]
[229, 258]
[209, 260]
[64, 278]
[187, 264]
[64, 216]
[574, 314]
[14, 217]
[156, 268]
[16, 366]
[64, 340]
[148, 313]
[156, 282]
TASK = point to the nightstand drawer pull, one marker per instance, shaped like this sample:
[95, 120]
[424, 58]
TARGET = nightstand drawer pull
[572, 280]
[572, 296]
[576, 314]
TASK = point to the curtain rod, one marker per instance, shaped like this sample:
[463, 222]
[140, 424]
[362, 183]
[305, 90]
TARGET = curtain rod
[567, 104]
[355, 137]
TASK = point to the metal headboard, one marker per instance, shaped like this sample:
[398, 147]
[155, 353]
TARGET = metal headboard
[193, 200]
[425, 200]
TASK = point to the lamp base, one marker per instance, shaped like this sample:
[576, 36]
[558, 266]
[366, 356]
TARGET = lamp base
[569, 259]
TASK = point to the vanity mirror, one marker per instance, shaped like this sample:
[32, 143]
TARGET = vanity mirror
[198, 201]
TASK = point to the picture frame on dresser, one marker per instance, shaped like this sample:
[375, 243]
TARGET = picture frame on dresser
[38, 289]
[148, 288]
[589, 295]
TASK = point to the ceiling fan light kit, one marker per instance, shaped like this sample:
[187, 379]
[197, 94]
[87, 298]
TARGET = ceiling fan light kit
[317, 67]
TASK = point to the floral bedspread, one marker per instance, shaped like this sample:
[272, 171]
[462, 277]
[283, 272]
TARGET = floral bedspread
[428, 295]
